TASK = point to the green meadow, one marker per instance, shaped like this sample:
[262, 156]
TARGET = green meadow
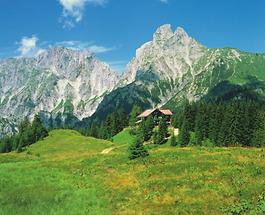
[67, 173]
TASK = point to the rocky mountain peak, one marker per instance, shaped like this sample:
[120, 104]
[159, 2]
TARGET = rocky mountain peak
[181, 33]
[163, 33]
[55, 80]
[64, 62]
[170, 55]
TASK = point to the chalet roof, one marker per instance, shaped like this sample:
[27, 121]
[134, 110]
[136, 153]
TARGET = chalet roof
[166, 112]
[148, 112]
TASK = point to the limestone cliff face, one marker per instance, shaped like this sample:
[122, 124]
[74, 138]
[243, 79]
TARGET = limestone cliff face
[170, 54]
[58, 80]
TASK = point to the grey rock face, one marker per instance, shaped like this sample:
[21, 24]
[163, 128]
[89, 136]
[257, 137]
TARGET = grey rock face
[57, 78]
[170, 54]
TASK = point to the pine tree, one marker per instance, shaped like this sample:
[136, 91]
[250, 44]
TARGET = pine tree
[6, 145]
[163, 128]
[156, 138]
[258, 139]
[122, 119]
[137, 150]
[133, 115]
[258, 136]
[102, 132]
[215, 122]
[15, 143]
[234, 126]
[173, 140]
[19, 148]
[24, 125]
[93, 130]
[201, 124]
[38, 129]
[189, 115]
[223, 132]
[184, 136]
[149, 126]
[162, 133]
[177, 119]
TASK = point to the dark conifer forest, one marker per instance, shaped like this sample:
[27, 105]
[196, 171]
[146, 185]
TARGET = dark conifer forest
[28, 133]
[234, 123]
[223, 124]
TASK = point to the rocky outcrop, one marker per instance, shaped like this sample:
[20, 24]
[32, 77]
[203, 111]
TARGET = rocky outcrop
[58, 80]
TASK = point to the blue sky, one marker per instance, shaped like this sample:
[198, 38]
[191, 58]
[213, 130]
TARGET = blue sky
[114, 29]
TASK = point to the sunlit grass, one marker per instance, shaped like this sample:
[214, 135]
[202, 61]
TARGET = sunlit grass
[67, 174]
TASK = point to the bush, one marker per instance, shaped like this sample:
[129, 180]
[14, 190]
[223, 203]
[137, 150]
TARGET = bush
[133, 131]
[258, 139]
[207, 143]
[193, 139]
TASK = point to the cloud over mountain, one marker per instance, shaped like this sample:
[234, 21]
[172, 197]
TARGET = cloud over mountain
[73, 10]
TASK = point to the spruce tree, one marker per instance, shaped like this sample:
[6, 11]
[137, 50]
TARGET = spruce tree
[163, 128]
[189, 115]
[202, 123]
[258, 139]
[258, 136]
[93, 130]
[24, 125]
[133, 115]
[19, 148]
[156, 138]
[102, 132]
[122, 119]
[173, 140]
[184, 136]
[215, 122]
[38, 129]
[137, 150]
[149, 126]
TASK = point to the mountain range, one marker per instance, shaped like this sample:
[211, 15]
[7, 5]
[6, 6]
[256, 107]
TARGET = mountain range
[66, 86]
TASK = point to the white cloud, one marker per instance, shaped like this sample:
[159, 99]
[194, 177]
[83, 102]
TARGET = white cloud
[164, 1]
[73, 10]
[74, 44]
[99, 49]
[80, 45]
[118, 66]
[27, 45]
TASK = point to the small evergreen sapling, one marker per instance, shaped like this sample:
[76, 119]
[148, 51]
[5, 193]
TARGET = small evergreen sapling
[137, 150]
[173, 140]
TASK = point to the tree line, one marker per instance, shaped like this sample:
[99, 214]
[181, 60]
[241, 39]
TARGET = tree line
[28, 133]
[114, 123]
[234, 123]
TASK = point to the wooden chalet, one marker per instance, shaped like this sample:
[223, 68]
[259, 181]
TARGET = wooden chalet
[156, 113]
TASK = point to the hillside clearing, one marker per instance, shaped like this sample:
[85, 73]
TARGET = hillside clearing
[67, 174]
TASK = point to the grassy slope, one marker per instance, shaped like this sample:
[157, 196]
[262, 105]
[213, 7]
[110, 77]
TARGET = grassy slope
[124, 137]
[67, 174]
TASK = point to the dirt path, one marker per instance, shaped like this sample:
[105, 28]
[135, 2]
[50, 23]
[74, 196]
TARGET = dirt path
[107, 151]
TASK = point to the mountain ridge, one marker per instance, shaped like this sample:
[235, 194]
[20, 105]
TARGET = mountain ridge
[174, 67]
[59, 80]
[67, 85]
